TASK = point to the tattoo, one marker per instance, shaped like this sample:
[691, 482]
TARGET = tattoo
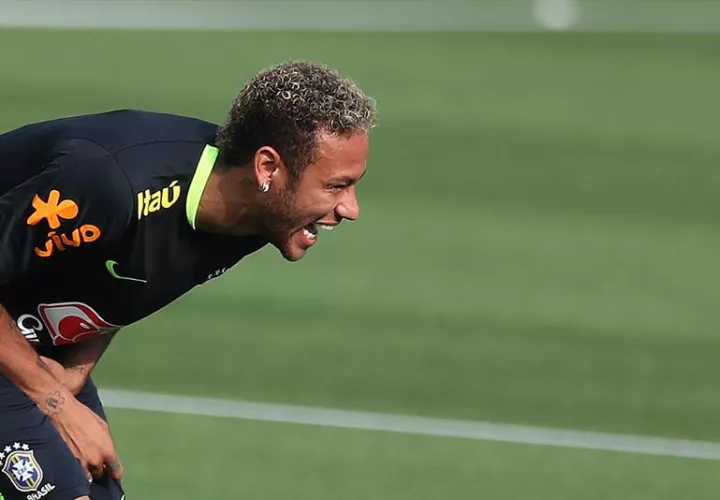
[53, 404]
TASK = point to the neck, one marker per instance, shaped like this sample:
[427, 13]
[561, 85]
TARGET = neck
[229, 203]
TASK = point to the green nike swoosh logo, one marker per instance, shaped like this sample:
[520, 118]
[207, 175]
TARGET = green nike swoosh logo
[110, 266]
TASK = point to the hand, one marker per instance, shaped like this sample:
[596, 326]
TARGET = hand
[73, 379]
[86, 434]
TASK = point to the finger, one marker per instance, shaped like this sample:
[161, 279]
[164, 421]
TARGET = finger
[95, 468]
[86, 470]
[96, 472]
[115, 468]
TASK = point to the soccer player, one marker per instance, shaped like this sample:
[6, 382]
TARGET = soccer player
[106, 218]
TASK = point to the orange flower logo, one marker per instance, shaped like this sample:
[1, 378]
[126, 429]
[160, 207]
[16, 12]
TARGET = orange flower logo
[53, 210]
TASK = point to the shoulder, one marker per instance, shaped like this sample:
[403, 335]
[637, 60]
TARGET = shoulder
[118, 130]
[89, 166]
[147, 147]
[113, 131]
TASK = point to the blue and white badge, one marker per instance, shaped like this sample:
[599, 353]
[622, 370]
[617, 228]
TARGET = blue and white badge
[20, 466]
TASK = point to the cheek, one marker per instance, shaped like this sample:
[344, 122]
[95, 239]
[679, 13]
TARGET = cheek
[318, 204]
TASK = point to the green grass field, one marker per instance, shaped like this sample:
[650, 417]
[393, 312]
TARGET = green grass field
[538, 245]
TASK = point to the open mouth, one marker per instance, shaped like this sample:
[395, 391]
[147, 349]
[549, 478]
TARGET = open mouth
[310, 232]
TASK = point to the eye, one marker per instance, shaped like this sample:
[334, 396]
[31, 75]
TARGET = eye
[337, 187]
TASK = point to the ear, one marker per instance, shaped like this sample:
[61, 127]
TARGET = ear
[268, 167]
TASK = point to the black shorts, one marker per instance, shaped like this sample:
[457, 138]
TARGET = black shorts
[35, 462]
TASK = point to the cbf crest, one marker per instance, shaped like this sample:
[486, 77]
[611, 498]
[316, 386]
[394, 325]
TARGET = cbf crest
[20, 466]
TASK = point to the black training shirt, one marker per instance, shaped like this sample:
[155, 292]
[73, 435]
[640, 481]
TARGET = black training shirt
[97, 217]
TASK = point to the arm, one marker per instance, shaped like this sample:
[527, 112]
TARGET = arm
[20, 364]
[86, 434]
[75, 362]
[86, 189]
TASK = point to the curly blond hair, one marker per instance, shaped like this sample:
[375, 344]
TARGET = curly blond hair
[285, 107]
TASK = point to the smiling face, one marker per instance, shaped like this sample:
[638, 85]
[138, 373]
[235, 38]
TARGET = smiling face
[302, 129]
[321, 198]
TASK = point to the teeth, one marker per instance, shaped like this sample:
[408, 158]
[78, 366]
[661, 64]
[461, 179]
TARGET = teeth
[311, 230]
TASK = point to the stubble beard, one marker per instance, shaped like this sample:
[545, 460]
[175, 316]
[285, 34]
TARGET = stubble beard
[280, 220]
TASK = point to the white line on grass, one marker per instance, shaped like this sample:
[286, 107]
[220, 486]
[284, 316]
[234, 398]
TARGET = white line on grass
[410, 424]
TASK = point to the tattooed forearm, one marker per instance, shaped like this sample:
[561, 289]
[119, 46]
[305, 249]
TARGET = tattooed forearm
[53, 404]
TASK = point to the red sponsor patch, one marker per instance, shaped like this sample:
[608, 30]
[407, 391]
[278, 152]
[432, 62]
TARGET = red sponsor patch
[70, 322]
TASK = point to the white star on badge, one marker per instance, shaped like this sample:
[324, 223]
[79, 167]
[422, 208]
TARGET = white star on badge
[25, 447]
[2, 457]
[8, 449]
[16, 446]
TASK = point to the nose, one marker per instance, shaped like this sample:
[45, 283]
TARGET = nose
[348, 208]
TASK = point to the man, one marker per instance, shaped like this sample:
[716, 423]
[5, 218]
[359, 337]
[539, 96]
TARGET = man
[107, 218]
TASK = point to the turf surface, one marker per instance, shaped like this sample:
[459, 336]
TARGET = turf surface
[219, 458]
[538, 245]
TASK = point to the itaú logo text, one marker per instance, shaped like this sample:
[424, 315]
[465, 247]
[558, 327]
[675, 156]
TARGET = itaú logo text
[150, 202]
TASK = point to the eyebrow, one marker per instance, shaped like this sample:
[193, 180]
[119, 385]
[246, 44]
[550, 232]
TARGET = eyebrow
[346, 178]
